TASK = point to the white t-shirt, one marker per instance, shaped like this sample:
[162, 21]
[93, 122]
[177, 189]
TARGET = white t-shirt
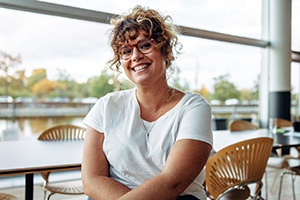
[133, 155]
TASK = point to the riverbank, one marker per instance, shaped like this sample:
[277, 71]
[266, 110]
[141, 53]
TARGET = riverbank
[16, 110]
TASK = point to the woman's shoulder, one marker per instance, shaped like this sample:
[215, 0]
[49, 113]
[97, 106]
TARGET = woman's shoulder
[192, 97]
[118, 96]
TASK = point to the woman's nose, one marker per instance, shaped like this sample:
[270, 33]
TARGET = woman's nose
[136, 54]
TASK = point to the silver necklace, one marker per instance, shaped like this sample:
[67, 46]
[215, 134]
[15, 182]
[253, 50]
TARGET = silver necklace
[161, 112]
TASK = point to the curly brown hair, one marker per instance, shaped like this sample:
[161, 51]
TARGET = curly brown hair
[154, 26]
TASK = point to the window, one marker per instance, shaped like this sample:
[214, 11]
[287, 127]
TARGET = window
[236, 17]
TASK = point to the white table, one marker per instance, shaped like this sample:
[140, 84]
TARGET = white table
[224, 138]
[29, 157]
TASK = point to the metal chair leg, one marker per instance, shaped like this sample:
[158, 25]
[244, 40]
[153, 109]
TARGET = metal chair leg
[266, 183]
[45, 195]
[293, 183]
[50, 195]
[280, 185]
[274, 180]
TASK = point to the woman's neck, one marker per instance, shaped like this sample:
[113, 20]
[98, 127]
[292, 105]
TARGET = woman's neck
[153, 100]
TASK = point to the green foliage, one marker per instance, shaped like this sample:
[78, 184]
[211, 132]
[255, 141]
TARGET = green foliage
[35, 78]
[255, 90]
[98, 86]
[70, 87]
[224, 89]
[124, 84]
[8, 64]
[15, 84]
[177, 82]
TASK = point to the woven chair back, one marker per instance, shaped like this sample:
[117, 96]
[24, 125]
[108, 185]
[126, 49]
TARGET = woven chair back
[241, 125]
[283, 123]
[63, 132]
[237, 165]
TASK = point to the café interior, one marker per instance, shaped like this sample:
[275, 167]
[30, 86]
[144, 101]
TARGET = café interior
[279, 51]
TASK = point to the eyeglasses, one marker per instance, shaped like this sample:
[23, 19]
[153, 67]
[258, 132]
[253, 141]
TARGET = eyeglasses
[143, 46]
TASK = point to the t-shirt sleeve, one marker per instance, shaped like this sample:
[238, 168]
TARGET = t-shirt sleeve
[196, 121]
[94, 118]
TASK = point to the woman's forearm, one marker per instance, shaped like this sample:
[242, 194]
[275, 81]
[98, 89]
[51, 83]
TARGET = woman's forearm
[105, 188]
[159, 187]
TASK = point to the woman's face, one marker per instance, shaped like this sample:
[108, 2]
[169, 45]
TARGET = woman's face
[148, 68]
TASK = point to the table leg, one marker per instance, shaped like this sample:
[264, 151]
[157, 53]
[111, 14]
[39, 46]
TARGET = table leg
[29, 186]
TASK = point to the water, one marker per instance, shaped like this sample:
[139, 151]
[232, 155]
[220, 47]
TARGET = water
[31, 128]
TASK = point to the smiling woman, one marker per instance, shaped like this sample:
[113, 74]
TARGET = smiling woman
[144, 142]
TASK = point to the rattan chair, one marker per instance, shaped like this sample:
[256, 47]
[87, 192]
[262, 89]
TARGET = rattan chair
[62, 132]
[291, 163]
[278, 161]
[283, 123]
[233, 168]
[4, 196]
[241, 125]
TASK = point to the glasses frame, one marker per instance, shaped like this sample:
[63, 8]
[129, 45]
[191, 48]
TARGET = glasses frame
[127, 57]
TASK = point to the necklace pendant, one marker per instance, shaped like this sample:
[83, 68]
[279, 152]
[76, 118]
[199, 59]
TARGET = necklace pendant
[171, 92]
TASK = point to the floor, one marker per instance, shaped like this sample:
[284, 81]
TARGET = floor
[273, 177]
[272, 191]
[19, 192]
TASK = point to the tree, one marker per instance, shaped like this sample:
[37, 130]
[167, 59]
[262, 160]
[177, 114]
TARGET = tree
[36, 76]
[255, 91]
[72, 88]
[98, 86]
[7, 65]
[245, 94]
[18, 85]
[224, 89]
[45, 87]
[177, 82]
[204, 92]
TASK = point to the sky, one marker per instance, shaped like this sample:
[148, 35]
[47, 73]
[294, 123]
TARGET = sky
[81, 48]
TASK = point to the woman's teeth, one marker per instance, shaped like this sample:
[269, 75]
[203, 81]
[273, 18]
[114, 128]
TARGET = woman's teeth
[140, 68]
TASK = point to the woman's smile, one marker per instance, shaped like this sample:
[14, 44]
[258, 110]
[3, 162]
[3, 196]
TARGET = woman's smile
[140, 67]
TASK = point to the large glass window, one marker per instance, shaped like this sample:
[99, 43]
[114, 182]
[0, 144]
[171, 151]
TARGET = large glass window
[236, 17]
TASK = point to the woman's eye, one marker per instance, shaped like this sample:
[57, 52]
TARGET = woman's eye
[145, 45]
[126, 51]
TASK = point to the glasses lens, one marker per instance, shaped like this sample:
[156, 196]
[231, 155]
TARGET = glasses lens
[144, 46]
[125, 52]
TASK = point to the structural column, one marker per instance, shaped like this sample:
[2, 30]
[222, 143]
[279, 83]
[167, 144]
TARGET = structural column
[276, 72]
[280, 59]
